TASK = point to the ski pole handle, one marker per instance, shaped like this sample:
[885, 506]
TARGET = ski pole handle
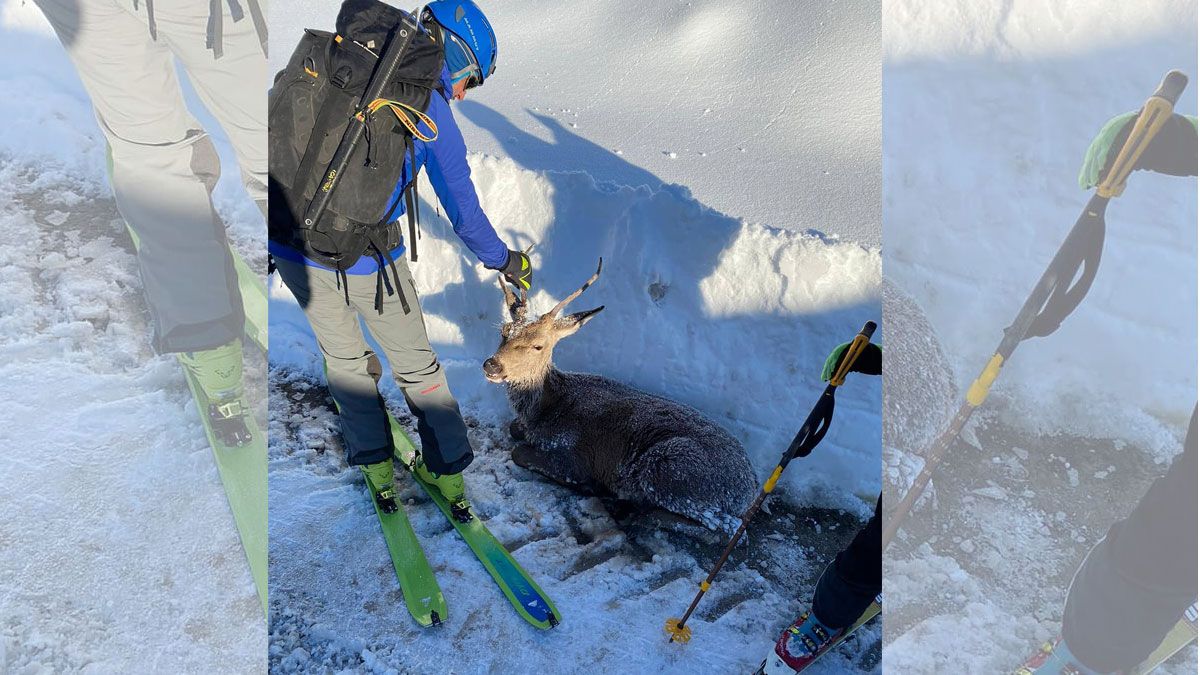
[1172, 87]
[852, 353]
[1154, 114]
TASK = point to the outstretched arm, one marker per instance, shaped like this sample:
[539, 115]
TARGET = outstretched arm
[451, 178]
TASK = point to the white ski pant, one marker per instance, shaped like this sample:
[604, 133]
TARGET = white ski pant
[163, 164]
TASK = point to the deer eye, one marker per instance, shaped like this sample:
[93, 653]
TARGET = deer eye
[537, 348]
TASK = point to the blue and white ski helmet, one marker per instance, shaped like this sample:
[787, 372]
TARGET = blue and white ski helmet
[463, 20]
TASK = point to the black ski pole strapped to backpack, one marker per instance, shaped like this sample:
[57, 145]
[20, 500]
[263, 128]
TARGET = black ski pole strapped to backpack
[345, 116]
[805, 440]
[1055, 296]
[392, 54]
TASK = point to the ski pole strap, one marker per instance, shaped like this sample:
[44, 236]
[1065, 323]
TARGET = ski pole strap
[1078, 260]
[402, 111]
[812, 432]
[1154, 114]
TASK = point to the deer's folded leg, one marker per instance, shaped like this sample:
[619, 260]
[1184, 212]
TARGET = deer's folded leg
[558, 465]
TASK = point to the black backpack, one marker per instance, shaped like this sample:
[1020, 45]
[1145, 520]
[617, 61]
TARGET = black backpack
[313, 102]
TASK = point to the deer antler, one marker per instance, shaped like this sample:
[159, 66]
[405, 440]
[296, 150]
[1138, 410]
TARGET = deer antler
[567, 300]
[516, 306]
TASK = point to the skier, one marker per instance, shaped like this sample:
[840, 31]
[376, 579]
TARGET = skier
[1136, 583]
[854, 579]
[333, 301]
[163, 165]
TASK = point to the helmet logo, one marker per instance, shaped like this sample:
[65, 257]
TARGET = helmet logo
[460, 13]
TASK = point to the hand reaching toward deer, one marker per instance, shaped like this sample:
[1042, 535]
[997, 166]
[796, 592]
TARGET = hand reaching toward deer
[518, 270]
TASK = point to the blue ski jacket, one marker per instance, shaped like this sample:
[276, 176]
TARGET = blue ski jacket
[445, 162]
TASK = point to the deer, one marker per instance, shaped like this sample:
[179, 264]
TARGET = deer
[602, 437]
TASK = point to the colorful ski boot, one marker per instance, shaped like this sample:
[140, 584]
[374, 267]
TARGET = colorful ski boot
[381, 477]
[218, 372]
[452, 488]
[805, 641]
[1054, 659]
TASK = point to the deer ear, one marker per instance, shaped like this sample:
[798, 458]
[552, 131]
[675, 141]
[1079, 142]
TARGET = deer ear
[573, 322]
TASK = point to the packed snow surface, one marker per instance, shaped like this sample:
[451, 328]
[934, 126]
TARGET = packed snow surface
[118, 553]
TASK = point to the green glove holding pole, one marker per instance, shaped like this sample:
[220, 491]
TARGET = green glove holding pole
[870, 362]
[1172, 151]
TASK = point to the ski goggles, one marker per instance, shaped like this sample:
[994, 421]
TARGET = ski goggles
[472, 70]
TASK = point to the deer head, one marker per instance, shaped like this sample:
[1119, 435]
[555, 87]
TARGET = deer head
[523, 358]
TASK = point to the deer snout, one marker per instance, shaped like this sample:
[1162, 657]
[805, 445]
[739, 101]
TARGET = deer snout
[493, 371]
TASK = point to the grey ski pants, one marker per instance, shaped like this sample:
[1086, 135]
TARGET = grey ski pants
[353, 370]
[163, 164]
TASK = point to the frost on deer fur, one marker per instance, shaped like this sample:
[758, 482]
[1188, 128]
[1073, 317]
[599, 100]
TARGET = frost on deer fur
[596, 433]
[599, 435]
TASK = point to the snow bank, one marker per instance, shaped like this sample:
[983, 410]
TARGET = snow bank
[732, 318]
[1021, 30]
[989, 109]
[767, 111]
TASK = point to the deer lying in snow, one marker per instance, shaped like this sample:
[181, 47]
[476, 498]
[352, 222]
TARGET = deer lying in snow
[601, 436]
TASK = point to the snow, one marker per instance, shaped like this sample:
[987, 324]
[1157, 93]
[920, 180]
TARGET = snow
[766, 113]
[985, 135]
[989, 109]
[725, 287]
[118, 550]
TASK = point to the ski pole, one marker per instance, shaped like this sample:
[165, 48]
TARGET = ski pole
[1054, 297]
[806, 439]
[388, 62]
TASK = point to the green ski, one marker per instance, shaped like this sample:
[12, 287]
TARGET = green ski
[522, 592]
[1182, 635]
[243, 469]
[254, 302]
[243, 472]
[422, 594]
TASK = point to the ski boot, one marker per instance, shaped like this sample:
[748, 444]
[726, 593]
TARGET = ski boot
[452, 488]
[218, 372]
[381, 479]
[802, 643]
[1054, 659]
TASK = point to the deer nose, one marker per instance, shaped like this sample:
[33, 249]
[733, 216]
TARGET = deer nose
[491, 368]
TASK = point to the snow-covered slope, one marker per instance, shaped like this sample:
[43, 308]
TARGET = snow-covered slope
[118, 552]
[989, 109]
[732, 318]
